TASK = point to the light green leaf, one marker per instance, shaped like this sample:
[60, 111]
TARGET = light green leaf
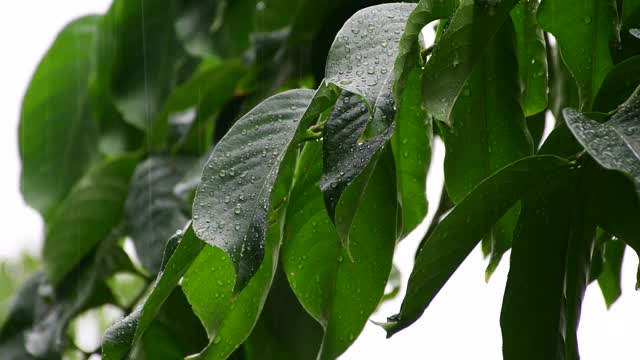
[232, 202]
[583, 30]
[58, 136]
[86, 216]
[339, 293]
[458, 50]
[456, 236]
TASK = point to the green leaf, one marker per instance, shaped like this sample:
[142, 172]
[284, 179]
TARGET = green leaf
[364, 51]
[339, 293]
[635, 32]
[122, 336]
[348, 162]
[609, 279]
[618, 85]
[153, 209]
[563, 90]
[532, 57]
[231, 204]
[58, 136]
[409, 58]
[612, 144]
[284, 331]
[583, 30]
[532, 308]
[456, 236]
[536, 124]
[411, 144]
[489, 129]
[87, 216]
[458, 51]
[136, 57]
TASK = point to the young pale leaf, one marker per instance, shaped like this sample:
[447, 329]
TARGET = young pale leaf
[461, 46]
[411, 144]
[532, 308]
[618, 85]
[122, 336]
[87, 216]
[339, 293]
[609, 279]
[364, 50]
[58, 136]
[137, 52]
[532, 57]
[232, 202]
[614, 144]
[153, 209]
[456, 236]
[583, 30]
[408, 58]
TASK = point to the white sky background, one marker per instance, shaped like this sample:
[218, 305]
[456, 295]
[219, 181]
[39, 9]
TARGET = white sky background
[461, 323]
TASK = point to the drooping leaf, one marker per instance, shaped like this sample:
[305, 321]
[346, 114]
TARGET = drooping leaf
[458, 50]
[609, 279]
[364, 51]
[58, 136]
[411, 144]
[122, 336]
[613, 144]
[618, 85]
[339, 293]
[285, 330]
[456, 236]
[532, 57]
[563, 90]
[408, 58]
[532, 308]
[153, 209]
[137, 51]
[232, 202]
[86, 216]
[583, 30]
[489, 129]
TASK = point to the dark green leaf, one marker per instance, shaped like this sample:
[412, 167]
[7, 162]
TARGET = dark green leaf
[364, 51]
[536, 124]
[153, 209]
[137, 54]
[122, 336]
[284, 331]
[411, 143]
[613, 144]
[232, 202]
[408, 58]
[563, 91]
[460, 47]
[609, 279]
[618, 85]
[87, 216]
[456, 235]
[532, 309]
[583, 30]
[532, 57]
[58, 136]
[338, 292]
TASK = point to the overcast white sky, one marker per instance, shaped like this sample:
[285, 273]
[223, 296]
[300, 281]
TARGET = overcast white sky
[461, 323]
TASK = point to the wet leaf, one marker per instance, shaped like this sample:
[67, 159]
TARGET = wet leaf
[122, 336]
[582, 30]
[339, 293]
[458, 50]
[232, 202]
[57, 133]
[532, 57]
[456, 236]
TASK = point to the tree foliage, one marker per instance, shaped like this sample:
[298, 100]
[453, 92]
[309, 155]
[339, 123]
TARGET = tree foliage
[265, 158]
